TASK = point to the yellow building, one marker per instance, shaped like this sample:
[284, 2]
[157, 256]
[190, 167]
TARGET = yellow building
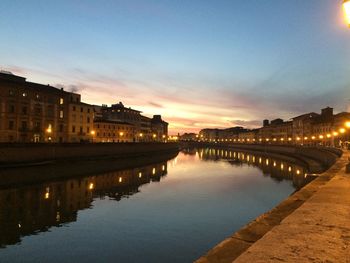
[113, 131]
[80, 120]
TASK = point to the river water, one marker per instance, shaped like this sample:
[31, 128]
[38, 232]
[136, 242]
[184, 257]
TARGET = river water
[173, 211]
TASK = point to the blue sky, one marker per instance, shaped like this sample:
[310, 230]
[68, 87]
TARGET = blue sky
[198, 63]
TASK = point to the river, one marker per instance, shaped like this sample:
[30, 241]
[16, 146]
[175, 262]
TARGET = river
[173, 211]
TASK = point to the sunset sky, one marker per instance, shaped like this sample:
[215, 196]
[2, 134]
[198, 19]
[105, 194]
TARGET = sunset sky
[198, 63]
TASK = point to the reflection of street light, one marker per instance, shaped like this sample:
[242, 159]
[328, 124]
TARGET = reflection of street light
[346, 7]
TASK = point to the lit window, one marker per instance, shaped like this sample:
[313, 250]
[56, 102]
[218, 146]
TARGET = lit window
[61, 114]
[61, 101]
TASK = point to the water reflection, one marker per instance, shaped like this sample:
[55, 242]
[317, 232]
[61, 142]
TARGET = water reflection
[204, 195]
[275, 168]
[32, 209]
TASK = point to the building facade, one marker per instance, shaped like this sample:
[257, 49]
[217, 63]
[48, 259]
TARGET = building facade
[113, 131]
[32, 112]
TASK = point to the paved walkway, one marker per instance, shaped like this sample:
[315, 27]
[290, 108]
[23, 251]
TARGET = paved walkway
[317, 231]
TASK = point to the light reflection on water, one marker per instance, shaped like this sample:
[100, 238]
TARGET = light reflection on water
[167, 212]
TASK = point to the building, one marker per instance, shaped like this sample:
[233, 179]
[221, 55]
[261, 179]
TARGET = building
[31, 112]
[159, 128]
[113, 131]
[80, 119]
[145, 129]
[277, 130]
[189, 137]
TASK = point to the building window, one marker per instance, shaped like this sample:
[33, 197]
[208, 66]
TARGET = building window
[61, 114]
[88, 129]
[73, 108]
[81, 109]
[11, 125]
[81, 129]
[88, 119]
[61, 128]
[73, 129]
[24, 110]
[12, 109]
[88, 110]
[24, 125]
[37, 126]
[61, 101]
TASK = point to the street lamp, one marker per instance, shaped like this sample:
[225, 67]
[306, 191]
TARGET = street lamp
[92, 135]
[346, 7]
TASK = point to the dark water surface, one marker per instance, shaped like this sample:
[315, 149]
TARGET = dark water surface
[167, 212]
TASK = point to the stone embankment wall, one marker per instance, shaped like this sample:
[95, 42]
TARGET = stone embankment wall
[317, 159]
[61, 170]
[24, 154]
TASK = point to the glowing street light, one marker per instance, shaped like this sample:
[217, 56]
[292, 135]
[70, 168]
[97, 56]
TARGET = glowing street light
[92, 133]
[346, 7]
[121, 134]
[347, 124]
[342, 130]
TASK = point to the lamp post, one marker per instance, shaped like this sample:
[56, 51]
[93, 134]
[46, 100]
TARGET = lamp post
[346, 7]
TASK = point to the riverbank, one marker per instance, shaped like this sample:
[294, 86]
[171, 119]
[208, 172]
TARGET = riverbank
[64, 169]
[16, 155]
[316, 159]
[310, 225]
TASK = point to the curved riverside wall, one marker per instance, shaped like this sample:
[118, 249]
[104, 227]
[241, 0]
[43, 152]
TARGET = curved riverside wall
[317, 159]
[26, 154]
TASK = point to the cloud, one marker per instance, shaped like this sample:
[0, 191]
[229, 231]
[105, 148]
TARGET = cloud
[157, 105]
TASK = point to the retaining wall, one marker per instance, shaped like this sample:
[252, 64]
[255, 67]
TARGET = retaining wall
[23, 154]
[317, 159]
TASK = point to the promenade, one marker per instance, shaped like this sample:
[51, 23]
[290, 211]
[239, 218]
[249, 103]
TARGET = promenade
[315, 230]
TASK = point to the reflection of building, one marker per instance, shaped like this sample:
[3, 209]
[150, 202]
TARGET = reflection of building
[277, 169]
[27, 210]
